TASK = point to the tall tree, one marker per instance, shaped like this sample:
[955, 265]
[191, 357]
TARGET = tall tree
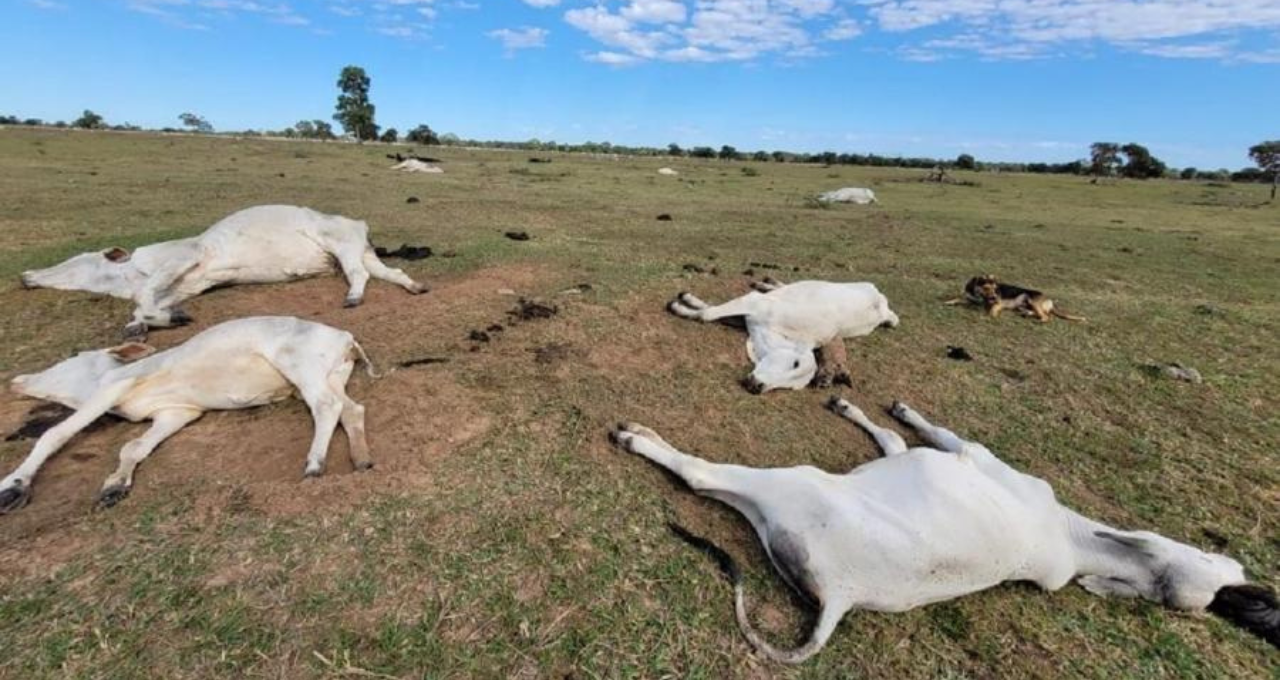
[1104, 158]
[1267, 156]
[674, 149]
[423, 134]
[196, 123]
[1140, 164]
[354, 110]
[966, 162]
[89, 121]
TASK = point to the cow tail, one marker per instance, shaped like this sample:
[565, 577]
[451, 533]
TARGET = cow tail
[368, 363]
[828, 617]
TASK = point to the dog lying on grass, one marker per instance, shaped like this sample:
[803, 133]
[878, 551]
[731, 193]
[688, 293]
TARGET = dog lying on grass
[996, 297]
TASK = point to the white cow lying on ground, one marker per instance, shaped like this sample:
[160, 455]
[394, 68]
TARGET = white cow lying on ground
[849, 195]
[234, 365]
[924, 525]
[786, 323]
[264, 244]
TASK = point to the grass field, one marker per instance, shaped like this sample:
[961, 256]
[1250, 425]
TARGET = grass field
[501, 535]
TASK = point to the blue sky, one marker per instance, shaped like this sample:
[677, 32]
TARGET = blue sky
[1197, 81]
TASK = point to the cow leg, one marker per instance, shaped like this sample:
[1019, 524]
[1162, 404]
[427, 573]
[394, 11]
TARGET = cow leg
[326, 411]
[352, 418]
[15, 490]
[164, 424]
[889, 441]
[155, 299]
[766, 285]
[382, 272]
[832, 365]
[729, 483]
[689, 307]
[939, 437]
[351, 260]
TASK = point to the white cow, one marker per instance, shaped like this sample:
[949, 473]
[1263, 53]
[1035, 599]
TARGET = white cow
[924, 525]
[238, 364]
[786, 323]
[849, 195]
[263, 244]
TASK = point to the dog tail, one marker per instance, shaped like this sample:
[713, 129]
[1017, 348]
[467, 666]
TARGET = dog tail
[827, 619]
[1067, 317]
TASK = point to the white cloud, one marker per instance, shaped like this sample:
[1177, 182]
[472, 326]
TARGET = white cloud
[407, 19]
[1271, 56]
[723, 30]
[845, 29]
[1218, 50]
[709, 30]
[179, 13]
[46, 4]
[523, 38]
[612, 58]
[632, 31]
[655, 11]
[615, 31]
[1004, 29]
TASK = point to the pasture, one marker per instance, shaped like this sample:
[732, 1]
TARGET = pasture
[502, 536]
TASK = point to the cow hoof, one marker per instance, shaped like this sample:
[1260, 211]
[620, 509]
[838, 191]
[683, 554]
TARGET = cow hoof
[26, 283]
[365, 466]
[135, 331]
[621, 435]
[420, 288]
[178, 317]
[14, 498]
[843, 378]
[352, 302]
[899, 410]
[312, 474]
[835, 403]
[820, 382]
[108, 497]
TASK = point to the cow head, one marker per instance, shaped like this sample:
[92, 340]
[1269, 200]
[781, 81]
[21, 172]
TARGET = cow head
[780, 363]
[107, 272]
[1171, 573]
[72, 381]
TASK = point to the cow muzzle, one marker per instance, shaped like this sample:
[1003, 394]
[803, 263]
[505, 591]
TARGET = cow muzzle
[26, 282]
[752, 385]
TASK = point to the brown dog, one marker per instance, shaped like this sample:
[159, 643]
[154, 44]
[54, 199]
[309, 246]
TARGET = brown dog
[997, 297]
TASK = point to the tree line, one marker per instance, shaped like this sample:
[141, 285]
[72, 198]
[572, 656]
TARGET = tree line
[356, 113]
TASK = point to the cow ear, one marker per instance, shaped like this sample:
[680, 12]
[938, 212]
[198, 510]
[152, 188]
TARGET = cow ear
[1132, 542]
[116, 255]
[131, 351]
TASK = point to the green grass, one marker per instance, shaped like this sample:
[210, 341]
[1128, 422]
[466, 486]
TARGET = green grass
[533, 549]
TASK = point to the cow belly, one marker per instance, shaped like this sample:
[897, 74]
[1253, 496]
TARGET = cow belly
[215, 385]
[931, 527]
[820, 324]
[270, 258]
